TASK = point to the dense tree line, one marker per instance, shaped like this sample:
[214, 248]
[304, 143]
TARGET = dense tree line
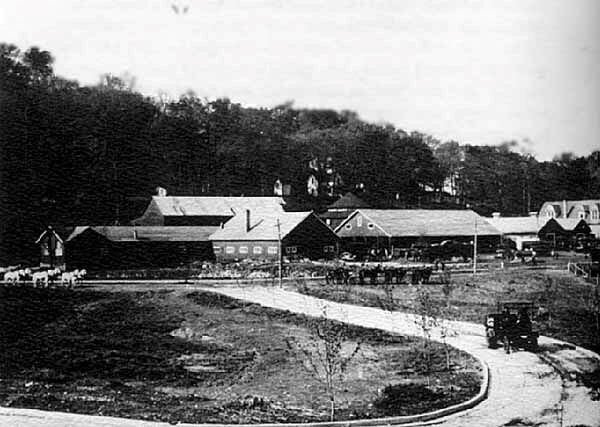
[72, 154]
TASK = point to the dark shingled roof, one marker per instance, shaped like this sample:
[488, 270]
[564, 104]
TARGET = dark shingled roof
[348, 201]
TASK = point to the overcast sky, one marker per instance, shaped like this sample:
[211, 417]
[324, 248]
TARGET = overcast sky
[481, 72]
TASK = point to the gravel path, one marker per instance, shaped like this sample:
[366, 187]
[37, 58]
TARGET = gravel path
[524, 390]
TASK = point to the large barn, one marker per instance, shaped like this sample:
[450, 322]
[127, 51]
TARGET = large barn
[202, 211]
[367, 229]
[256, 235]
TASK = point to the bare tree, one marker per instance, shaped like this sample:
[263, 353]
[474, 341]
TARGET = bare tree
[427, 318]
[325, 356]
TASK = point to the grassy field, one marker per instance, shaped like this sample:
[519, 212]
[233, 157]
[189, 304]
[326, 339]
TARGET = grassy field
[568, 298]
[198, 357]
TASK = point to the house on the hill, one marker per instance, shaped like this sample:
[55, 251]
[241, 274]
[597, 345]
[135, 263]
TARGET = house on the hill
[518, 229]
[562, 232]
[339, 210]
[257, 235]
[115, 247]
[202, 211]
[588, 210]
[367, 229]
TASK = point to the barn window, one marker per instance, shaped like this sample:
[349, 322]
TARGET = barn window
[371, 226]
[229, 249]
[59, 250]
[217, 249]
[243, 249]
[291, 249]
[272, 250]
[348, 226]
[594, 214]
[328, 221]
[257, 250]
[359, 221]
[328, 249]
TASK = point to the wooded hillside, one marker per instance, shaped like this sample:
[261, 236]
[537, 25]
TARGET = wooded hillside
[72, 154]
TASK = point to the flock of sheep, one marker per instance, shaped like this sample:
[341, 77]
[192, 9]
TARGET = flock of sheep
[43, 278]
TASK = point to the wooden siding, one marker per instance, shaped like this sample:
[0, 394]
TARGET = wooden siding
[360, 226]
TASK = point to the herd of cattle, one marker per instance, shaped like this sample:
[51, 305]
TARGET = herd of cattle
[42, 278]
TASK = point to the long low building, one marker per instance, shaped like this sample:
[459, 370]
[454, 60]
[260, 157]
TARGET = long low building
[133, 247]
[367, 229]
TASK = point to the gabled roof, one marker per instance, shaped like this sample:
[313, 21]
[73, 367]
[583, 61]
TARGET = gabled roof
[425, 222]
[214, 205]
[263, 226]
[518, 225]
[348, 201]
[46, 231]
[149, 233]
[569, 224]
[588, 204]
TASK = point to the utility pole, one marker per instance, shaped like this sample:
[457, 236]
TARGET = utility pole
[280, 253]
[475, 250]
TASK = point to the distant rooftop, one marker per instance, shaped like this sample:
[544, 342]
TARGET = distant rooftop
[349, 201]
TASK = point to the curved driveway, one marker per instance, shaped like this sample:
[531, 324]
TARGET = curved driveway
[524, 390]
[522, 386]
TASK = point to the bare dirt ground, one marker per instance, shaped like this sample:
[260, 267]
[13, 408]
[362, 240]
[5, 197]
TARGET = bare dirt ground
[182, 355]
[524, 389]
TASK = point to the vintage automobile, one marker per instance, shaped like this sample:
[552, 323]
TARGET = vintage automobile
[511, 326]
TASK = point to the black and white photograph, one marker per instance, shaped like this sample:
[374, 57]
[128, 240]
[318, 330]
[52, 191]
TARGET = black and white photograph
[300, 213]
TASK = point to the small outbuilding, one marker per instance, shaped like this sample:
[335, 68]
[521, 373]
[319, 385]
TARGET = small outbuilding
[52, 249]
[519, 229]
[269, 235]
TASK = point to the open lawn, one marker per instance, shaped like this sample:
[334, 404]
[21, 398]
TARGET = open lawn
[198, 357]
[568, 299]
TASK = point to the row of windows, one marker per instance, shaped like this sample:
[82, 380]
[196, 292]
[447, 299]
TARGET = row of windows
[271, 250]
[370, 225]
[594, 214]
[256, 250]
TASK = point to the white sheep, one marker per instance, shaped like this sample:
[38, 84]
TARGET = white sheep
[11, 277]
[68, 278]
[40, 277]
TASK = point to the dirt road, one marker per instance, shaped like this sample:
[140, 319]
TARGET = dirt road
[524, 390]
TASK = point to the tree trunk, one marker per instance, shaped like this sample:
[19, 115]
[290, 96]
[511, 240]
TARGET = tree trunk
[331, 408]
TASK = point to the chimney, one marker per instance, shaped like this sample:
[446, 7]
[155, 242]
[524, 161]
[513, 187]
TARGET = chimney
[247, 220]
[161, 192]
[495, 214]
[533, 214]
[564, 209]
